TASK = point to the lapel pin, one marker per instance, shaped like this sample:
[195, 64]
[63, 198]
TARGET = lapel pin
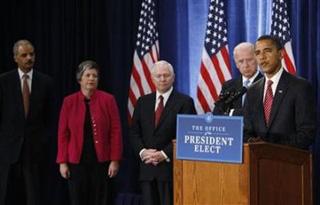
[280, 91]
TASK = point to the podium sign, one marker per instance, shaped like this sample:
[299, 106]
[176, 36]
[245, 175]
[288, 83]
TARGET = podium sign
[209, 138]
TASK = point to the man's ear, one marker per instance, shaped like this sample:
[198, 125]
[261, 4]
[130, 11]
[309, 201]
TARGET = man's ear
[281, 53]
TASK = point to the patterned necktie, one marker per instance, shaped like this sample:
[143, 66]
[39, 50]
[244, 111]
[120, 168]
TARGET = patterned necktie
[245, 84]
[159, 110]
[25, 94]
[267, 105]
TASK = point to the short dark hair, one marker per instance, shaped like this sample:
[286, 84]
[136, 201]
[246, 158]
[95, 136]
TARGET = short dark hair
[275, 40]
[85, 65]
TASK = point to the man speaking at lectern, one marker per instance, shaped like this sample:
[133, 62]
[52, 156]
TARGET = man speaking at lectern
[280, 108]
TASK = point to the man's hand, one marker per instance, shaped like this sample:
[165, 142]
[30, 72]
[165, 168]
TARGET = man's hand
[155, 158]
[146, 155]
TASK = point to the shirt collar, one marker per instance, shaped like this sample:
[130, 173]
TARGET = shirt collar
[276, 77]
[250, 79]
[164, 95]
[30, 73]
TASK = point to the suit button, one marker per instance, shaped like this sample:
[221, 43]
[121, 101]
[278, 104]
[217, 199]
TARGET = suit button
[96, 142]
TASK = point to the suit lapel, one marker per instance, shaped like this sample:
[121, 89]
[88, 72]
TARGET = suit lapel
[278, 97]
[34, 91]
[239, 85]
[149, 107]
[18, 93]
[258, 77]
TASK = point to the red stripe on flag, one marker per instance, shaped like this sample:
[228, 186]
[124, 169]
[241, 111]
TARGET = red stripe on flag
[290, 67]
[132, 97]
[225, 55]
[152, 57]
[217, 68]
[147, 74]
[208, 81]
[137, 79]
[202, 101]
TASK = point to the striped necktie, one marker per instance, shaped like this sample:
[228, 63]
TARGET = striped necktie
[267, 105]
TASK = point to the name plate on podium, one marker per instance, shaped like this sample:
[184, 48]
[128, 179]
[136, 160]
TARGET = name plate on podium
[209, 138]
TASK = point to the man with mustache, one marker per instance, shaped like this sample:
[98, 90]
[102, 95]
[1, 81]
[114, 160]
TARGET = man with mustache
[279, 108]
[25, 99]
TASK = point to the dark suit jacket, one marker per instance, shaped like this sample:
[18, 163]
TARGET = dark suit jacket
[293, 113]
[231, 86]
[144, 134]
[15, 130]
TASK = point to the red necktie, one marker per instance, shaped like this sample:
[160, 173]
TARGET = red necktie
[159, 110]
[25, 94]
[267, 105]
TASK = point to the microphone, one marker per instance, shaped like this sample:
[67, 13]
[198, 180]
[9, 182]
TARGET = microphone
[220, 106]
[224, 96]
[235, 95]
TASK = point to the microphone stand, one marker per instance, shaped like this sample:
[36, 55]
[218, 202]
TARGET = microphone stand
[225, 102]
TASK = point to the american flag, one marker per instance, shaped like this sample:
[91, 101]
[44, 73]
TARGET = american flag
[215, 63]
[145, 55]
[280, 27]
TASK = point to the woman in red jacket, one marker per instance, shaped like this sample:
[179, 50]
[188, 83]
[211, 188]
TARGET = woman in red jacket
[89, 139]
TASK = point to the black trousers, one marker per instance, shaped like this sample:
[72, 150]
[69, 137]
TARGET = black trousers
[157, 192]
[89, 184]
[13, 176]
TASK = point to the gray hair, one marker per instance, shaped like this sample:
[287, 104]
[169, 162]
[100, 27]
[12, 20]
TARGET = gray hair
[20, 43]
[162, 63]
[86, 65]
[243, 45]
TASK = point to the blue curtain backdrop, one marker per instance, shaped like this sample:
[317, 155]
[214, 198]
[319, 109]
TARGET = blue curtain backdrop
[183, 26]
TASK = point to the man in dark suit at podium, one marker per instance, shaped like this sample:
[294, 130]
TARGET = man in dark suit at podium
[152, 131]
[280, 108]
[25, 99]
[247, 65]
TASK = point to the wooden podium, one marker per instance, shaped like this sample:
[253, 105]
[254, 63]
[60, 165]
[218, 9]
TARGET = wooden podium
[269, 175]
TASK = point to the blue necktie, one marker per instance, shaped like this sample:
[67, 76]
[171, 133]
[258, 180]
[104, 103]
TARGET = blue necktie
[245, 84]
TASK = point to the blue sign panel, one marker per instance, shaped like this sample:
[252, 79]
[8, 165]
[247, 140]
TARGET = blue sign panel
[209, 138]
